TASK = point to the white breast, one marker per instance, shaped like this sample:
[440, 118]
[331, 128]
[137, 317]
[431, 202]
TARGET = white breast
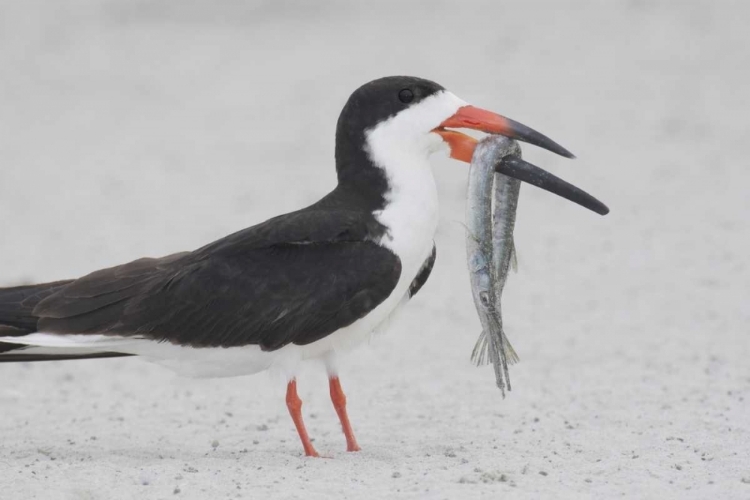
[401, 146]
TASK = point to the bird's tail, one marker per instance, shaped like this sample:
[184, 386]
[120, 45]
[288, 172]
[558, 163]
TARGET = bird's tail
[17, 320]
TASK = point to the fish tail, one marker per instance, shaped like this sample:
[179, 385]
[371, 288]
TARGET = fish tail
[486, 351]
[511, 355]
[480, 354]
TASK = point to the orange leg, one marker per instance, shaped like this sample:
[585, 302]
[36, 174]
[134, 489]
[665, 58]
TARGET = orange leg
[294, 403]
[339, 403]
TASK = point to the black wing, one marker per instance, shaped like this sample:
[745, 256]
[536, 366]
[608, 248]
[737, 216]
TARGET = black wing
[17, 305]
[288, 280]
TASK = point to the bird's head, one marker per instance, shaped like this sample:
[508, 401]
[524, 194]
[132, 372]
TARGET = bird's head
[401, 120]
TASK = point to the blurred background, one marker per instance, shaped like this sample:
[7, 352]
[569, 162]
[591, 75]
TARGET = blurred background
[141, 128]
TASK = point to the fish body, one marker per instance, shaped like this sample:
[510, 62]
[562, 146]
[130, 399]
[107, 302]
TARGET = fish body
[490, 249]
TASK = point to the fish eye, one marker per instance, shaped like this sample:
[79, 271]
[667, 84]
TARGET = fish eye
[406, 96]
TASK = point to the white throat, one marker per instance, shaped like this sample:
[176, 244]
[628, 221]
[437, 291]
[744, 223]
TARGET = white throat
[401, 146]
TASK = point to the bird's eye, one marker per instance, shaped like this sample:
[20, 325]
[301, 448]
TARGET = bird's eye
[406, 96]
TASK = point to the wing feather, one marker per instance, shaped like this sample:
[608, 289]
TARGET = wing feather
[306, 282]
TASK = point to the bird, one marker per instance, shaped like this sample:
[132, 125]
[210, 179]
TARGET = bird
[307, 285]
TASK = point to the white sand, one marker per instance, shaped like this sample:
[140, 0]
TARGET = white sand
[142, 128]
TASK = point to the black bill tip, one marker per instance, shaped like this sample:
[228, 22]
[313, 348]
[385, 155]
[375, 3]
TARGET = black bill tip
[515, 167]
[531, 136]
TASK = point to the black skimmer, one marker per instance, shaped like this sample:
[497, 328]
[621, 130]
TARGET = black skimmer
[305, 285]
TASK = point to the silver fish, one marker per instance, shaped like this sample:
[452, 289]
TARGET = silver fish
[490, 249]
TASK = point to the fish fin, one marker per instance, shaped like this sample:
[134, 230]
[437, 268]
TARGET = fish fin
[510, 354]
[513, 257]
[480, 354]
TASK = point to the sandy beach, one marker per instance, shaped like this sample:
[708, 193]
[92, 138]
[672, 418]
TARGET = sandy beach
[135, 128]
